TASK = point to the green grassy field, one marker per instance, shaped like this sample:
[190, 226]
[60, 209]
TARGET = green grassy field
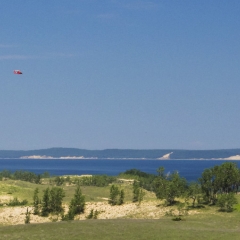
[209, 223]
[207, 227]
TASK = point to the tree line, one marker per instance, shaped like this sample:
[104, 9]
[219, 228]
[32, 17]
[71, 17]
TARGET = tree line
[216, 186]
[23, 176]
[95, 180]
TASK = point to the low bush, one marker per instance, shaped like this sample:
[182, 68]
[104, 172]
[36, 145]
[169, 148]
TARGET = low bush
[16, 202]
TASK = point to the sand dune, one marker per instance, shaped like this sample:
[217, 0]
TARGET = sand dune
[147, 210]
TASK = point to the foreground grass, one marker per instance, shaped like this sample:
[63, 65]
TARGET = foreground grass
[206, 228]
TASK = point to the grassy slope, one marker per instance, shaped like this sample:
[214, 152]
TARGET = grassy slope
[209, 224]
[24, 190]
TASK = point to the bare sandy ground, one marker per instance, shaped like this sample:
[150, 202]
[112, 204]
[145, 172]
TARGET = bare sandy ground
[147, 210]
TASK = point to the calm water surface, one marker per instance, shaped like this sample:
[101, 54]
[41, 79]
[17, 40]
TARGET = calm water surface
[190, 169]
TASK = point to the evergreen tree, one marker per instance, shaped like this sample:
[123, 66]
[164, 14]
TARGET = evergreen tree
[56, 197]
[114, 192]
[46, 202]
[77, 204]
[121, 197]
[52, 201]
[136, 187]
[141, 194]
[27, 218]
[36, 202]
[116, 196]
[138, 192]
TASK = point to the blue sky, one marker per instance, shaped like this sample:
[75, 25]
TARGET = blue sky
[139, 74]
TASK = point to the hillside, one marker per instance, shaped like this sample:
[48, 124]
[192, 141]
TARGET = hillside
[123, 153]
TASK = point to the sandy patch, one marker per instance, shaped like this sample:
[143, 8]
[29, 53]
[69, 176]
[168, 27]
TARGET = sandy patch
[5, 199]
[147, 210]
[128, 210]
[17, 215]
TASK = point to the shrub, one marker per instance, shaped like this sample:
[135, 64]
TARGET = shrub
[16, 202]
[226, 202]
[93, 214]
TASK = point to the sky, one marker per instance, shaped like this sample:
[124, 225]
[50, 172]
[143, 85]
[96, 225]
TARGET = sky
[126, 74]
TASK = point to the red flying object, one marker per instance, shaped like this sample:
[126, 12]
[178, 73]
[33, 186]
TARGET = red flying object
[17, 72]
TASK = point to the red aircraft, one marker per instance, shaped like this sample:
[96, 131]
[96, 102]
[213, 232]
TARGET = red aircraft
[17, 72]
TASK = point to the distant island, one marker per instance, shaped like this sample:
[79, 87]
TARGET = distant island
[158, 154]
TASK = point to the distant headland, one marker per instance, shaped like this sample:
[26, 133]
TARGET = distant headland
[158, 154]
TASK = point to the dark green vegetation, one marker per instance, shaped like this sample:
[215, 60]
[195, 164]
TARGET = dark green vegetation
[217, 184]
[16, 202]
[169, 187]
[116, 196]
[93, 214]
[22, 175]
[138, 192]
[96, 180]
[123, 153]
[52, 201]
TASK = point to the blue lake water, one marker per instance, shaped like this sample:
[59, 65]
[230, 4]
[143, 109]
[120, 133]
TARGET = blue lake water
[190, 169]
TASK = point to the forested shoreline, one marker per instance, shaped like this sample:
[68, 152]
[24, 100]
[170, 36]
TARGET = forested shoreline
[122, 153]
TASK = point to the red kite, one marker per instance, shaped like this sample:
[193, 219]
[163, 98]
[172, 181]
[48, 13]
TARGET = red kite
[17, 72]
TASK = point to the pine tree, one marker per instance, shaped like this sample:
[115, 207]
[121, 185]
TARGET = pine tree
[138, 192]
[121, 198]
[27, 218]
[46, 202]
[52, 201]
[141, 194]
[114, 192]
[77, 204]
[56, 197]
[36, 202]
[136, 187]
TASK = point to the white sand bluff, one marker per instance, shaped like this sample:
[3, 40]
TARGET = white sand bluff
[166, 156]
